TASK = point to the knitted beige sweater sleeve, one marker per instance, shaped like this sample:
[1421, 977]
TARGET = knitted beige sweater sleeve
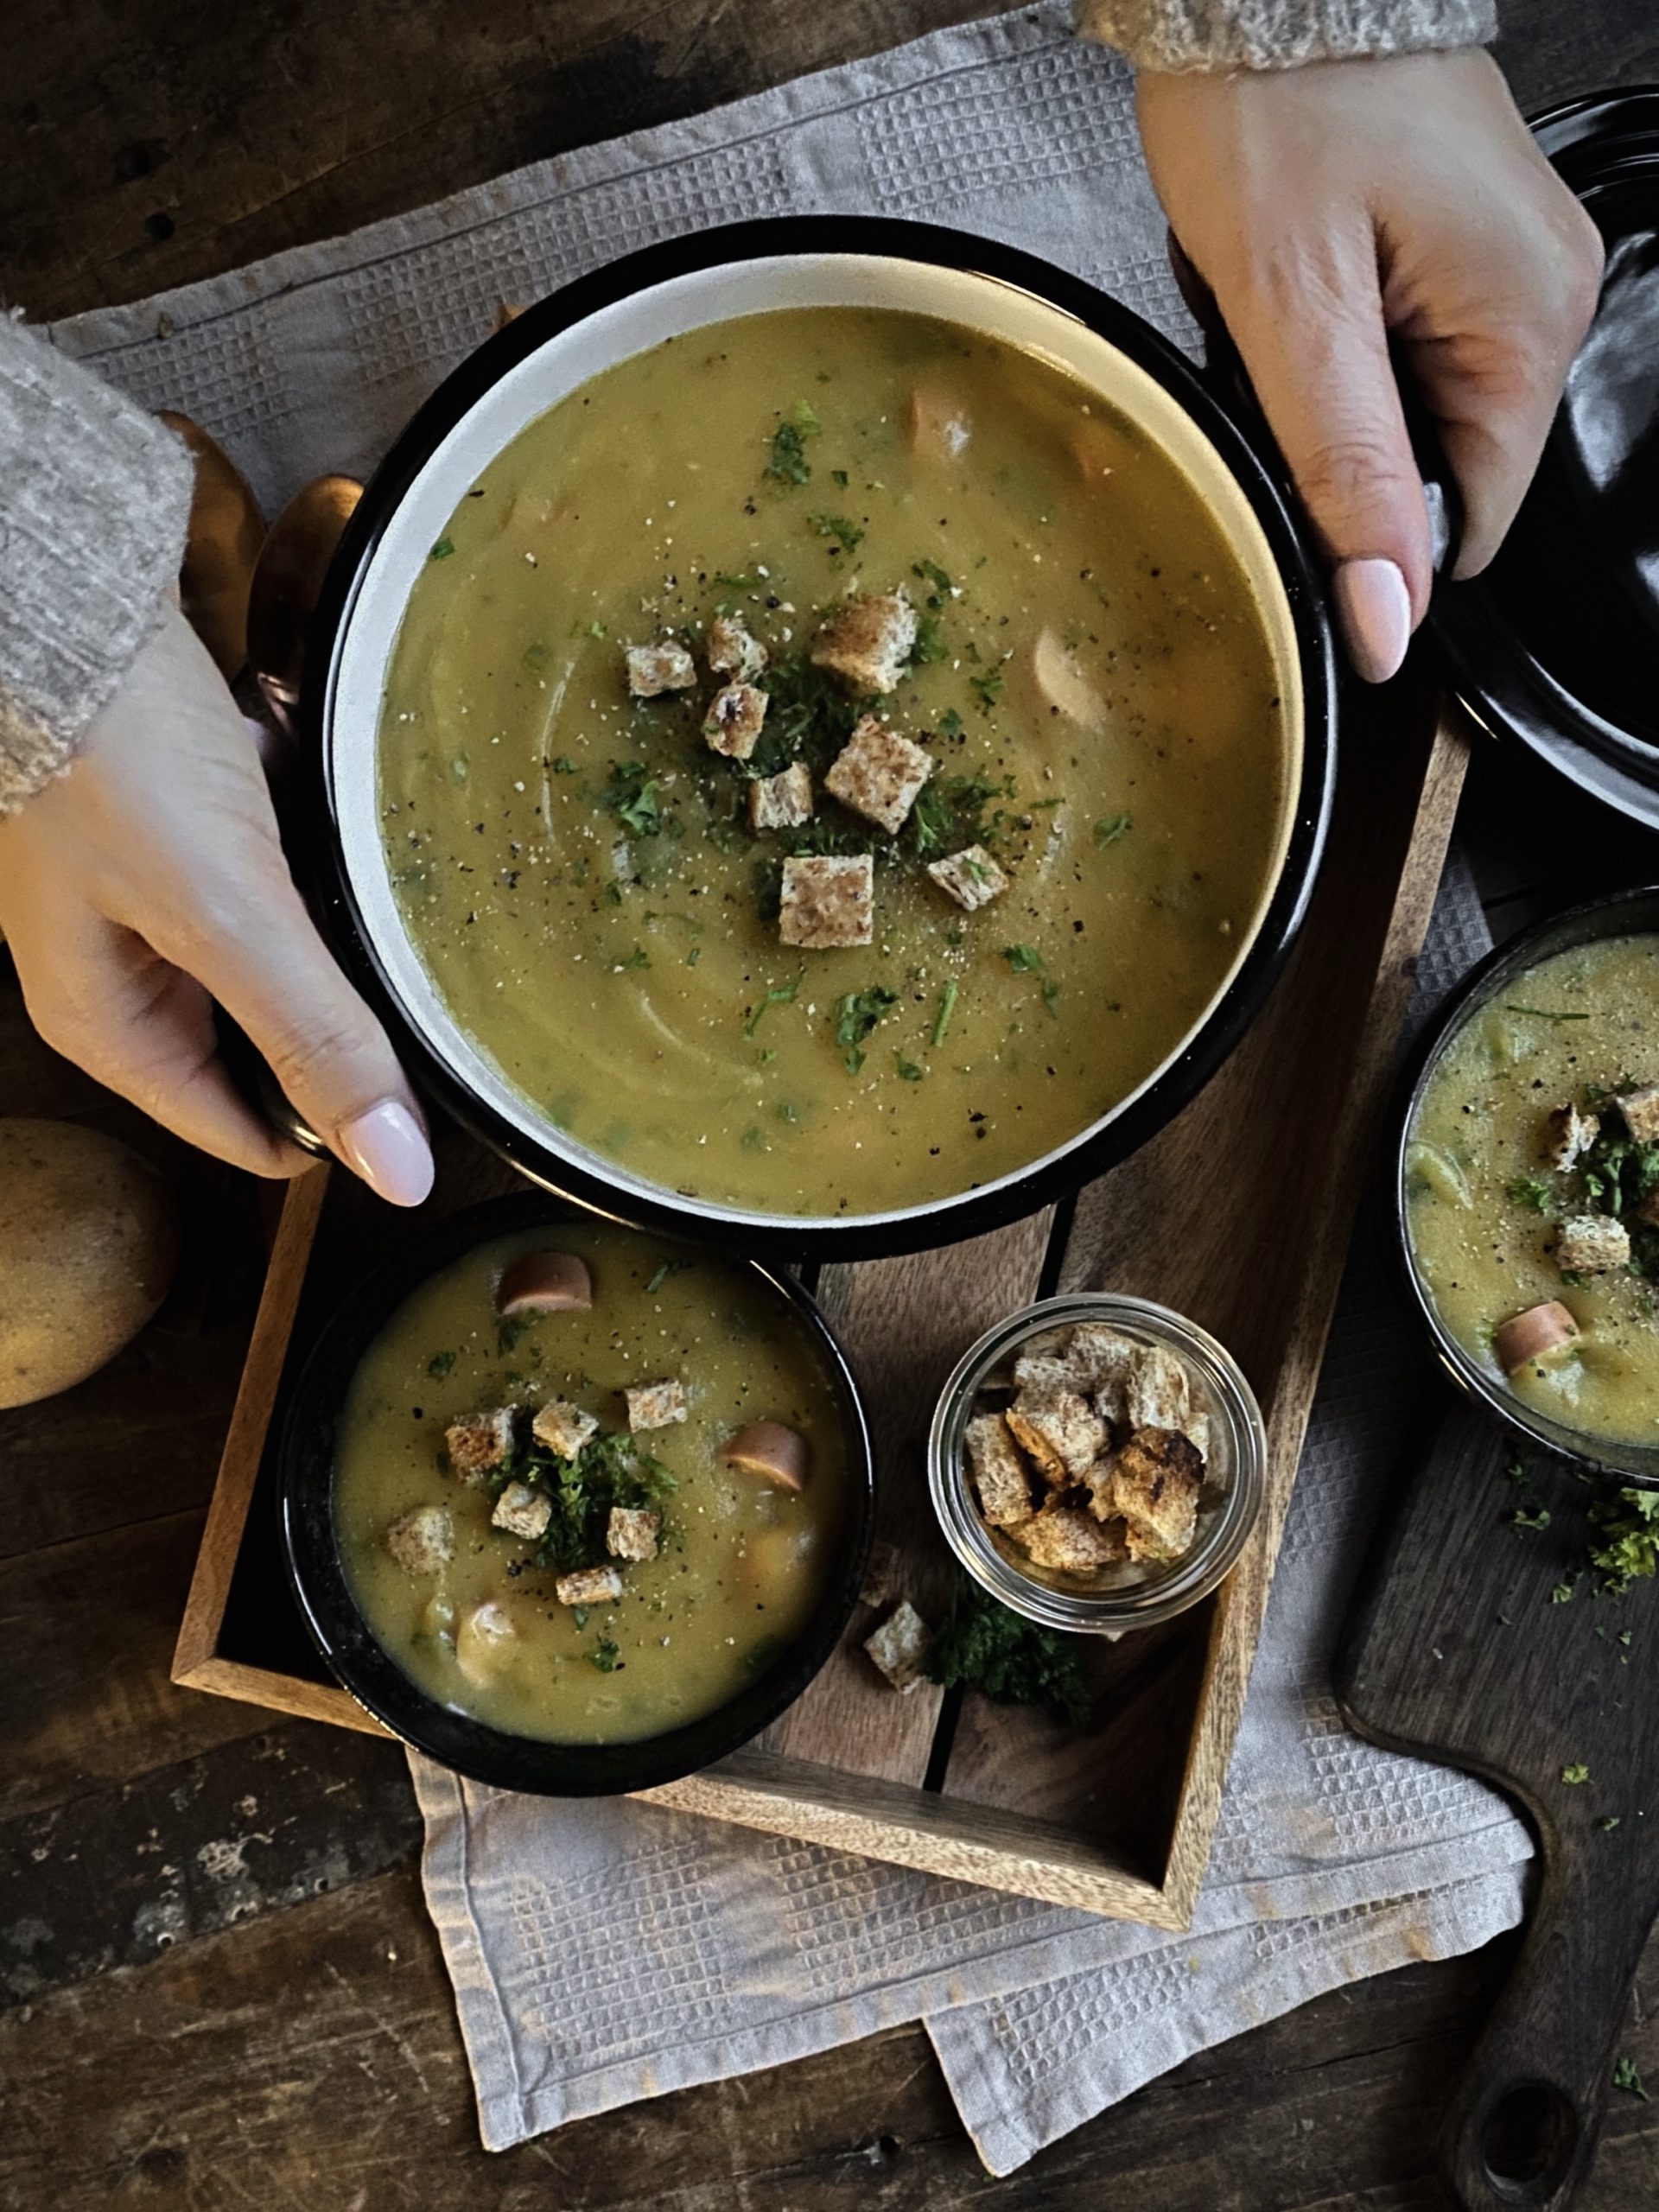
[1177, 35]
[94, 498]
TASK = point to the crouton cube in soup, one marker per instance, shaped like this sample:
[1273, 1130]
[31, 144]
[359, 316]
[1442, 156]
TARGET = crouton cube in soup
[618, 1568]
[832, 675]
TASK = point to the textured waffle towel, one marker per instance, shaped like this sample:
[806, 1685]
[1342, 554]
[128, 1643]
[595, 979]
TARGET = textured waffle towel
[607, 1951]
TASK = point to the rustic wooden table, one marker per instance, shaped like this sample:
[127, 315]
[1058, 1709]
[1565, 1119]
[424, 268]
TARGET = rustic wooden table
[218, 1982]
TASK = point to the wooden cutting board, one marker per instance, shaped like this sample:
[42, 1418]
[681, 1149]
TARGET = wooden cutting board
[1458, 1650]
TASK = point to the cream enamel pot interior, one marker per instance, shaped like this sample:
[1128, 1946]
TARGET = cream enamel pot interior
[690, 285]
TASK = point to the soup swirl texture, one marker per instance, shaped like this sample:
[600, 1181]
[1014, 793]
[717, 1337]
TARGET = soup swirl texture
[1086, 686]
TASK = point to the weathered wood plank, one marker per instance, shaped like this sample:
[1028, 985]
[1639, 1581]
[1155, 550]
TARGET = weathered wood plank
[310, 2059]
[114, 1876]
[144, 146]
[87, 1629]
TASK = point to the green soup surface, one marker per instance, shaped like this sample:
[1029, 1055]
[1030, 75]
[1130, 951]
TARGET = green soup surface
[742, 1562]
[1091, 681]
[1488, 1210]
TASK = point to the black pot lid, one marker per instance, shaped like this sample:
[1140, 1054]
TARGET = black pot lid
[1557, 644]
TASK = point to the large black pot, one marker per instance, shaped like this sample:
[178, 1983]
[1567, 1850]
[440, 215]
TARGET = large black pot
[689, 283]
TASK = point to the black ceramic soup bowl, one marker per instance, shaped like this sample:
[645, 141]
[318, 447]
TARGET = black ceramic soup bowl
[307, 1453]
[1624, 915]
[693, 285]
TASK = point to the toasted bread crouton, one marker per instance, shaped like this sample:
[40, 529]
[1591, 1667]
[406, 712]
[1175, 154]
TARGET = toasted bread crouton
[653, 670]
[1151, 1484]
[563, 1428]
[883, 1572]
[656, 1405]
[1044, 1371]
[1100, 1360]
[424, 1540]
[899, 1647]
[1000, 1482]
[523, 1511]
[589, 1586]
[1058, 1430]
[1568, 1135]
[631, 1532]
[783, 801]
[734, 720]
[878, 774]
[828, 899]
[479, 1443]
[1641, 1112]
[940, 426]
[1067, 1537]
[732, 652]
[1159, 1393]
[1592, 1244]
[485, 1637]
[971, 877]
[867, 642]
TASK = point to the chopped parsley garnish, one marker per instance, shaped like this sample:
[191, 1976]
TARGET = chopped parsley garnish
[1024, 959]
[610, 1469]
[845, 533]
[839, 476]
[1110, 828]
[949, 723]
[637, 958]
[605, 1656]
[631, 796]
[1628, 1550]
[1536, 1517]
[1052, 996]
[1625, 2076]
[907, 1069]
[1576, 1774]
[662, 1272]
[1562, 1593]
[779, 995]
[1532, 1192]
[947, 1007]
[856, 1015]
[988, 685]
[788, 463]
[443, 549]
[440, 1364]
[949, 813]
[983, 1646]
[932, 573]
[508, 1331]
[930, 643]
[563, 766]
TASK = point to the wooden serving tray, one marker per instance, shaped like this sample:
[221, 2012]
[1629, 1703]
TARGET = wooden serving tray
[1238, 1214]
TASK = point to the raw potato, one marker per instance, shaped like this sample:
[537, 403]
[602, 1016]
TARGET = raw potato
[89, 1240]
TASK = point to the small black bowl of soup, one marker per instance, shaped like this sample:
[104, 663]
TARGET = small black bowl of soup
[1526, 1185]
[824, 732]
[572, 1509]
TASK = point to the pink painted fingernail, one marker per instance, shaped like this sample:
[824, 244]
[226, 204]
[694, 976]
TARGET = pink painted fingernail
[387, 1148]
[1375, 610]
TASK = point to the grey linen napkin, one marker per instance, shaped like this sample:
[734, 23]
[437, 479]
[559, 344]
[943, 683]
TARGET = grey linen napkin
[602, 1952]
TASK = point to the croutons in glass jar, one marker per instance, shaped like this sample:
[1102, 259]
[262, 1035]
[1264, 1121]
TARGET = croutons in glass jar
[1097, 1462]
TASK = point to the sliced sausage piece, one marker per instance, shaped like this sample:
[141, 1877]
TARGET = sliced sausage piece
[1062, 687]
[1532, 1335]
[544, 1282]
[766, 1447]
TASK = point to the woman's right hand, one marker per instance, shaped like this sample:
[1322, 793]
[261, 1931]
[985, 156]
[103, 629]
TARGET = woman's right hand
[148, 881]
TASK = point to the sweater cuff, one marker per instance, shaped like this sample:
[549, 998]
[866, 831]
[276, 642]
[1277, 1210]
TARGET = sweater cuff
[1214, 34]
[94, 504]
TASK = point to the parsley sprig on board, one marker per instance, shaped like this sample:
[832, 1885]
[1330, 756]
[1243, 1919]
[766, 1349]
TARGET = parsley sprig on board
[983, 1646]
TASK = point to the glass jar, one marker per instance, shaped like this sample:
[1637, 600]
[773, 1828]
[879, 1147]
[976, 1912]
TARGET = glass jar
[1134, 1594]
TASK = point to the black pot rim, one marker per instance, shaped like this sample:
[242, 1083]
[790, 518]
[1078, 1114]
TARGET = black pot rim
[317, 1576]
[1633, 1464]
[1248, 453]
